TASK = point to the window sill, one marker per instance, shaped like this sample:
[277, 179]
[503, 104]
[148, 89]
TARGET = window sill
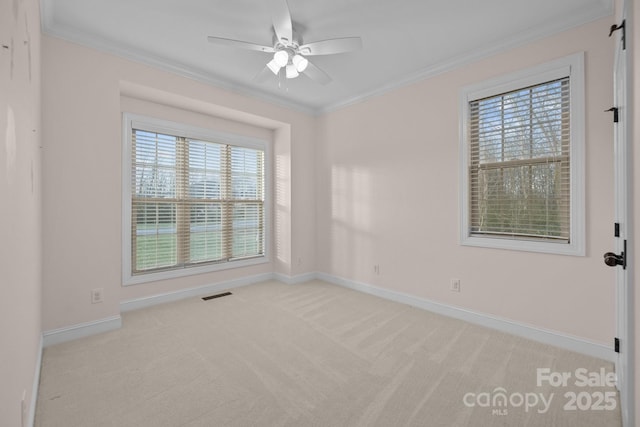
[572, 249]
[129, 280]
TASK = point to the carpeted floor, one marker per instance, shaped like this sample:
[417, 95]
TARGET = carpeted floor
[311, 355]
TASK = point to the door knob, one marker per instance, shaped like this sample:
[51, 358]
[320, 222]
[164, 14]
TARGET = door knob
[612, 259]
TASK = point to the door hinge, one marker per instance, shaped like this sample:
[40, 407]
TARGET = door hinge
[616, 344]
[615, 28]
[616, 229]
[615, 114]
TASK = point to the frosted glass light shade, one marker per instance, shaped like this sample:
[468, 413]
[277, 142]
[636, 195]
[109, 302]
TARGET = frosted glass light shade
[274, 67]
[292, 73]
[281, 57]
[300, 63]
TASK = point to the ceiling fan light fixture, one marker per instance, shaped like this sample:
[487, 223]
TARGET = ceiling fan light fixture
[292, 73]
[289, 54]
[300, 62]
[274, 66]
[281, 58]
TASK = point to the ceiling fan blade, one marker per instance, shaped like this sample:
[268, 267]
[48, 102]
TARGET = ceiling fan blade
[282, 25]
[331, 46]
[263, 75]
[240, 44]
[315, 73]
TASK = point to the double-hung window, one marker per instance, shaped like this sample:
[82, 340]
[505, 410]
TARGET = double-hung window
[194, 200]
[523, 161]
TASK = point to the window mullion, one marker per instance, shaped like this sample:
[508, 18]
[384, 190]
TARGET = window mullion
[529, 178]
[501, 211]
[182, 208]
[134, 205]
[227, 205]
[260, 197]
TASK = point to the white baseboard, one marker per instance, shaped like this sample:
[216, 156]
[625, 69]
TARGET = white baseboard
[138, 303]
[73, 332]
[554, 338]
[81, 330]
[295, 280]
[36, 385]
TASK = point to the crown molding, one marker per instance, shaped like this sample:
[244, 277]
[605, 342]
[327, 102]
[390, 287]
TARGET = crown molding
[527, 36]
[77, 37]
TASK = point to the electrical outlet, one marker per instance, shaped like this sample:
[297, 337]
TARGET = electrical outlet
[376, 269]
[299, 261]
[455, 285]
[96, 295]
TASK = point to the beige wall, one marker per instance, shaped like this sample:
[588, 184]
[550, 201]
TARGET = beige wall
[388, 194]
[338, 178]
[363, 166]
[20, 211]
[84, 94]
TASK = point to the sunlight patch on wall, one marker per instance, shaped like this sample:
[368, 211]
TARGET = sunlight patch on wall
[283, 208]
[10, 145]
[352, 220]
[351, 196]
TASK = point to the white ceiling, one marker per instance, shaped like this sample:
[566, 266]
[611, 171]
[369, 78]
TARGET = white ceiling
[404, 40]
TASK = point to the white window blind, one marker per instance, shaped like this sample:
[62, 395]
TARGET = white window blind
[519, 164]
[194, 202]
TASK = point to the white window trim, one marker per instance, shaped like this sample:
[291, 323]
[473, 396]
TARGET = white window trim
[572, 66]
[131, 121]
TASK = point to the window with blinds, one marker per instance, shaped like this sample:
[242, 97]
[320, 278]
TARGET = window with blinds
[522, 159]
[193, 202]
[519, 163]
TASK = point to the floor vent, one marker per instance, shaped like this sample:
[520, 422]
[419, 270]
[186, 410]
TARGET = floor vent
[216, 296]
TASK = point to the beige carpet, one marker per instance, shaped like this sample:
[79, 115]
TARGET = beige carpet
[307, 355]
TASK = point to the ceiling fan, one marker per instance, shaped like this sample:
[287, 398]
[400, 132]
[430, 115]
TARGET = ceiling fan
[289, 52]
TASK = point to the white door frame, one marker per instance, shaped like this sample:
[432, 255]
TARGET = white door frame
[623, 197]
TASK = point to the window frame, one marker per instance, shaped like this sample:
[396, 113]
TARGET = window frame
[571, 66]
[136, 121]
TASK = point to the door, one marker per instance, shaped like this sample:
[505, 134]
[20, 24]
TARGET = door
[619, 259]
